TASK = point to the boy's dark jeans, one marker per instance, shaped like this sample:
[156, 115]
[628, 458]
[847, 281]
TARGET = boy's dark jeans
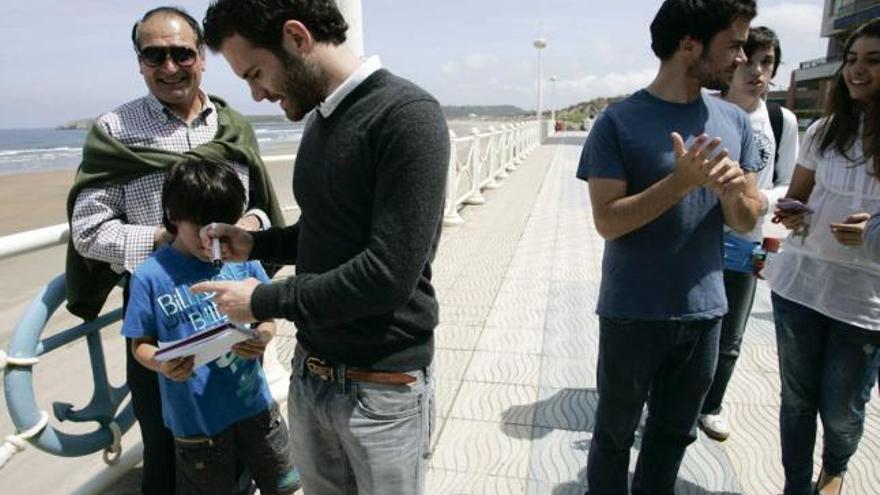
[206, 465]
[672, 362]
[740, 290]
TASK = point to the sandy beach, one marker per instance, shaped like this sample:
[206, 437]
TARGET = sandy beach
[37, 199]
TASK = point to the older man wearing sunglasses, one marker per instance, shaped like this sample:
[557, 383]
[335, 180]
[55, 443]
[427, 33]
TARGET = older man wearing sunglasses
[115, 206]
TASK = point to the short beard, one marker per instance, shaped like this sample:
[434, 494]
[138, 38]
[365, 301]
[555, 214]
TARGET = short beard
[304, 83]
[707, 78]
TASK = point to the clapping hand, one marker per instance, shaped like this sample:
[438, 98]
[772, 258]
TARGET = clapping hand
[692, 164]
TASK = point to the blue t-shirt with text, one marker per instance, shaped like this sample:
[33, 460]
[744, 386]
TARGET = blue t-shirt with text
[671, 268]
[161, 306]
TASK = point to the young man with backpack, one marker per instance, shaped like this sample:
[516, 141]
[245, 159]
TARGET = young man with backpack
[775, 133]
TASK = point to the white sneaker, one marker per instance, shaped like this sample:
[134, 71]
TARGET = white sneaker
[715, 426]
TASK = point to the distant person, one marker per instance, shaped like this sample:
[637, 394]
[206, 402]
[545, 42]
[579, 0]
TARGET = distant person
[667, 167]
[776, 137]
[370, 178]
[826, 285]
[115, 210]
[221, 411]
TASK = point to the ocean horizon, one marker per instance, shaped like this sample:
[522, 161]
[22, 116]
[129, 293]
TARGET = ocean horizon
[50, 149]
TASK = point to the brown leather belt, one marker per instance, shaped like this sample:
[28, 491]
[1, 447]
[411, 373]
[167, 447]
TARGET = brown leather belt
[325, 371]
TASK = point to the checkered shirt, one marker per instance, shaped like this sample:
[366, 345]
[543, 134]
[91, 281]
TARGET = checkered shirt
[117, 223]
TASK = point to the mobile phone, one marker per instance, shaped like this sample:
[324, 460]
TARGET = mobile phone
[790, 205]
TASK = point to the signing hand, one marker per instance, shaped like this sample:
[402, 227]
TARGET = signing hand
[231, 298]
[254, 348]
[691, 163]
[851, 232]
[177, 369]
[235, 242]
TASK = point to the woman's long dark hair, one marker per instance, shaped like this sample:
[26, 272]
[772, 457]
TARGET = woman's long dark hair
[840, 130]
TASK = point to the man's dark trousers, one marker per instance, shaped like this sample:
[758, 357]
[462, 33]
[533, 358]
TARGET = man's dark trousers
[670, 364]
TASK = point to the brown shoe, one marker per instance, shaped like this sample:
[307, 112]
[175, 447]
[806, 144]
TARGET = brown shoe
[829, 484]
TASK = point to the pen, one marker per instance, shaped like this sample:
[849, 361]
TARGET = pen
[215, 252]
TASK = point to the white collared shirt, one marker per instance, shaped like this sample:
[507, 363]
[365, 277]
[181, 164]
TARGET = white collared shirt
[367, 68]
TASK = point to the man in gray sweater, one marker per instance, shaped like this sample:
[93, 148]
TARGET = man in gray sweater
[369, 178]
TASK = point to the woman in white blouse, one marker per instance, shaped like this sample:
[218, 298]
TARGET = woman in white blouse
[826, 288]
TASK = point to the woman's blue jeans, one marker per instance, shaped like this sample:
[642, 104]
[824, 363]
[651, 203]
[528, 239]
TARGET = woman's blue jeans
[827, 367]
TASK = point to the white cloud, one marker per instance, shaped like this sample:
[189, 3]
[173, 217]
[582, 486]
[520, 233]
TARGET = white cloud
[471, 62]
[608, 84]
[476, 61]
[449, 68]
[798, 19]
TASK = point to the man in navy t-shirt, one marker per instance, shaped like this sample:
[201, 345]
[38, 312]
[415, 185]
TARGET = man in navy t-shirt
[667, 168]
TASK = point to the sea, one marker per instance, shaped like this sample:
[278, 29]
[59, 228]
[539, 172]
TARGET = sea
[40, 150]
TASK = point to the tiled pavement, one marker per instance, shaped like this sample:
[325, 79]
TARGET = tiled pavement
[516, 354]
[515, 361]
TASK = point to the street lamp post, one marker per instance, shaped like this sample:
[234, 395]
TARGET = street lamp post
[540, 44]
[553, 80]
[352, 11]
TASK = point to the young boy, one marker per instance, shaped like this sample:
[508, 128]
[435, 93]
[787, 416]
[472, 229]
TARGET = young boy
[221, 411]
[777, 145]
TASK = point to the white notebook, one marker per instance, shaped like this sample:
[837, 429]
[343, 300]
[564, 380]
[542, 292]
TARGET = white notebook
[206, 345]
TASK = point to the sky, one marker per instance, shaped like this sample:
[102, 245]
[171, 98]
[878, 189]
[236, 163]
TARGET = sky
[70, 59]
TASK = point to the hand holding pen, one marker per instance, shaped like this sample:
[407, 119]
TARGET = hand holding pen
[223, 242]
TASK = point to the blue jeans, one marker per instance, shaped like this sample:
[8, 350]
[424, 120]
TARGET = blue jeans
[826, 367]
[670, 365]
[740, 290]
[351, 437]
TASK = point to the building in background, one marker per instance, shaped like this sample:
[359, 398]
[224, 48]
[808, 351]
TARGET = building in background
[810, 82]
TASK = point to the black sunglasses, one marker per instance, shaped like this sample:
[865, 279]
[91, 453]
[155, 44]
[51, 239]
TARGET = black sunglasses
[154, 56]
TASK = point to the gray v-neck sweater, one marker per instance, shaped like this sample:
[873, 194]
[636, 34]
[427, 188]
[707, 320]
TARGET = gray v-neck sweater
[370, 181]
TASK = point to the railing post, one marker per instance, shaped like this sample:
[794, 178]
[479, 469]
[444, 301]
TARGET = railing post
[476, 167]
[509, 150]
[451, 217]
[519, 137]
[498, 151]
[492, 169]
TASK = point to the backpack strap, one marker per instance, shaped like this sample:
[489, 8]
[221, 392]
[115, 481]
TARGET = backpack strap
[774, 111]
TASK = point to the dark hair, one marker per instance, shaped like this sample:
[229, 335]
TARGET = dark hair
[172, 11]
[763, 37]
[201, 192]
[699, 19]
[261, 21]
[842, 126]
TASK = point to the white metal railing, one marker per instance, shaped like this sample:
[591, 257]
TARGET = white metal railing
[481, 160]
[476, 162]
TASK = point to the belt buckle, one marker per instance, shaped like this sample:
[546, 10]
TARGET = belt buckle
[314, 366]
